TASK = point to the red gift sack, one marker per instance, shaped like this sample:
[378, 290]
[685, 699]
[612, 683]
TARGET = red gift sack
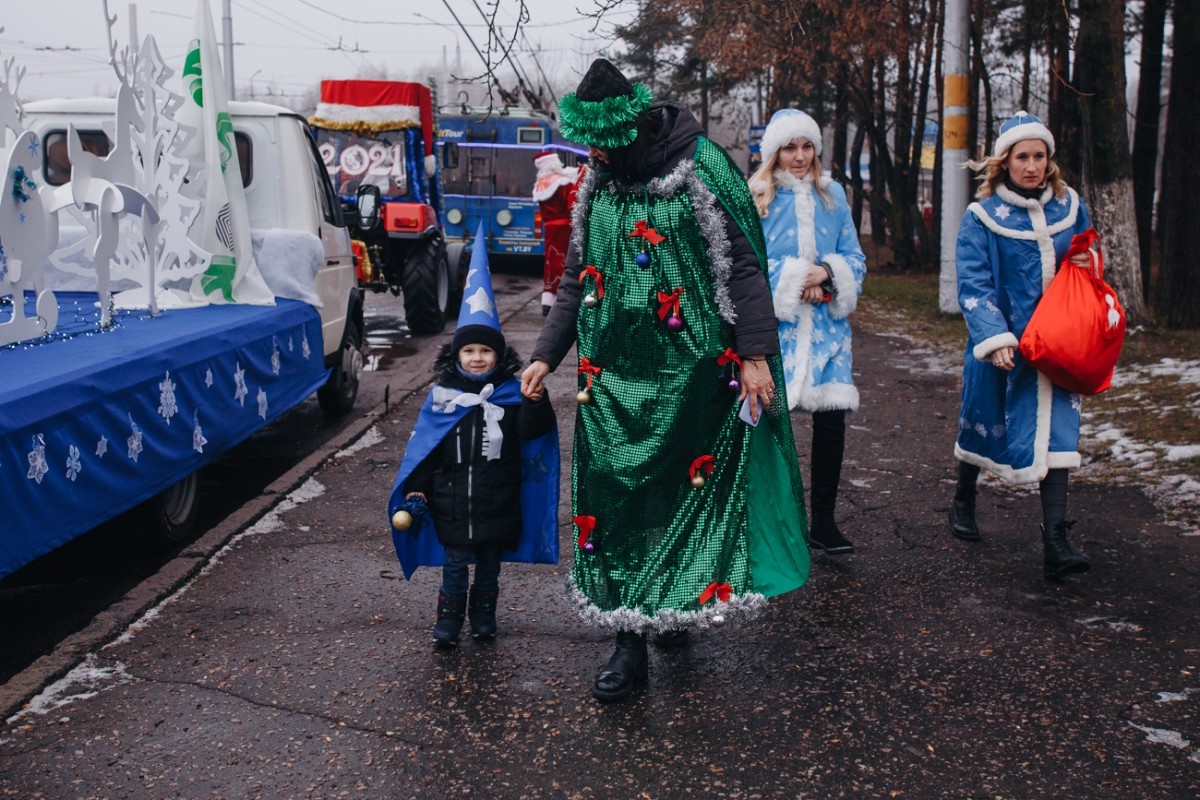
[1075, 334]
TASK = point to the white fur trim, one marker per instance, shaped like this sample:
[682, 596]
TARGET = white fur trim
[789, 288]
[624, 618]
[983, 351]
[1021, 133]
[548, 298]
[786, 128]
[430, 166]
[799, 366]
[549, 161]
[830, 397]
[378, 115]
[845, 289]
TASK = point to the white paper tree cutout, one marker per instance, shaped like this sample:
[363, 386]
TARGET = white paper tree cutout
[27, 229]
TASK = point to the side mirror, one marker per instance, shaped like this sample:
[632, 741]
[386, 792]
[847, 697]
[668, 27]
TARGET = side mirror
[450, 155]
[368, 206]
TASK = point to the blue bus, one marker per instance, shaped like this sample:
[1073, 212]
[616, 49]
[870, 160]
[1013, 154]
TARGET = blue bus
[492, 180]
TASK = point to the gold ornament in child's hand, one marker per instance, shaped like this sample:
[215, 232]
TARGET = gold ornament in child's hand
[402, 520]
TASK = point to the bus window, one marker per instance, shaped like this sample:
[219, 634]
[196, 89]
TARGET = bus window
[535, 136]
[56, 166]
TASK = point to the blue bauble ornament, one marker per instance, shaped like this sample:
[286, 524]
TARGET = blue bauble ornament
[642, 260]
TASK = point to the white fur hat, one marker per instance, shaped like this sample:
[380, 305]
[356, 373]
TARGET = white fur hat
[1021, 127]
[786, 125]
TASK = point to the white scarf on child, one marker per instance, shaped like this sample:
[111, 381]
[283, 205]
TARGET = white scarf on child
[492, 413]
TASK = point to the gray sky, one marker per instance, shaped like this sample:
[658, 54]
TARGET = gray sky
[285, 47]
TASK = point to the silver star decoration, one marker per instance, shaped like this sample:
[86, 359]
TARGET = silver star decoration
[262, 403]
[73, 463]
[208, 379]
[102, 446]
[239, 382]
[198, 440]
[134, 442]
[37, 460]
[481, 302]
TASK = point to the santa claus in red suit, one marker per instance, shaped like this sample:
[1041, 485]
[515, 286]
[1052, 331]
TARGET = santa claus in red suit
[554, 190]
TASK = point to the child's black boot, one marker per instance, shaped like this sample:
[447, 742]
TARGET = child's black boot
[482, 612]
[450, 613]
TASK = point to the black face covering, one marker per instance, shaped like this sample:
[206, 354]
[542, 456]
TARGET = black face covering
[1029, 194]
[640, 160]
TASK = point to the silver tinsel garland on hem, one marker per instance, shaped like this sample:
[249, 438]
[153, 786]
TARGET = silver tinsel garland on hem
[714, 614]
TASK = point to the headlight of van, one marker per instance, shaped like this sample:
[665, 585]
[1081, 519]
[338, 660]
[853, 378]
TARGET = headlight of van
[504, 217]
[454, 216]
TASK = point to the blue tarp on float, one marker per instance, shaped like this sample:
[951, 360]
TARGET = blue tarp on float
[93, 423]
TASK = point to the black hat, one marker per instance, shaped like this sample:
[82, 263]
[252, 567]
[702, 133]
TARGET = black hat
[479, 334]
[603, 80]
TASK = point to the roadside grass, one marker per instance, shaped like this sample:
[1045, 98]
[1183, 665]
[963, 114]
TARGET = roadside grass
[1145, 429]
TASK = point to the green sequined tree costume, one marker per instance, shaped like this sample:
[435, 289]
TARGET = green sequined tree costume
[653, 549]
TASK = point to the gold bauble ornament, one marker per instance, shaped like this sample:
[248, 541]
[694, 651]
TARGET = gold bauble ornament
[402, 520]
[584, 397]
[697, 481]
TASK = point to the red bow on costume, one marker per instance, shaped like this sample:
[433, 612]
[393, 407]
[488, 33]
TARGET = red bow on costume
[669, 303]
[586, 368]
[586, 525]
[649, 234]
[705, 463]
[595, 273]
[721, 591]
[728, 356]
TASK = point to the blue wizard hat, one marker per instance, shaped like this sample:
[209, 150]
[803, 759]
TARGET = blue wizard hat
[479, 319]
[1022, 126]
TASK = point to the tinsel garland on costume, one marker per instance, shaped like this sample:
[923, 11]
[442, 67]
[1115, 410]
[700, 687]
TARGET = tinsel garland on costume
[606, 123]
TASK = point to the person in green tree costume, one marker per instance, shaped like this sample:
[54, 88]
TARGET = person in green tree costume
[687, 500]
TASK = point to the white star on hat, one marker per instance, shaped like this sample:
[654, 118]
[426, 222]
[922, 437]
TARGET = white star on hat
[480, 301]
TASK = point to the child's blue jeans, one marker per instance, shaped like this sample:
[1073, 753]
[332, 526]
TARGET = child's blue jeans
[455, 572]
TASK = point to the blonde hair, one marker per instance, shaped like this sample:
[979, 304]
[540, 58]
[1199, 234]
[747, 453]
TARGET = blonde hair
[762, 183]
[992, 173]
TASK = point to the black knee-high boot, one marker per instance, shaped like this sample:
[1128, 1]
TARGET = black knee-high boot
[1060, 558]
[828, 449]
[962, 509]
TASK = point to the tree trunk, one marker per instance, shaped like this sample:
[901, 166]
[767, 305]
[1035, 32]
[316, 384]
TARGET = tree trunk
[1178, 278]
[1145, 134]
[1100, 67]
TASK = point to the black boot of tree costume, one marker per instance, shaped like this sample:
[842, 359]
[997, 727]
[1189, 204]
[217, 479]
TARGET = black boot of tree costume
[828, 449]
[624, 670]
[1060, 558]
[962, 508]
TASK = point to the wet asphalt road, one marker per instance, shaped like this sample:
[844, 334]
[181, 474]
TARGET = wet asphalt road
[298, 662]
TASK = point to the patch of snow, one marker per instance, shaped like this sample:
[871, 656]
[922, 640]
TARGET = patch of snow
[1162, 736]
[1175, 697]
[86, 680]
[372, 437]
[1181, 452]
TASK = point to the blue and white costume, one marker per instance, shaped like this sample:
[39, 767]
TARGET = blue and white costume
[1015, 424]
[814, 339]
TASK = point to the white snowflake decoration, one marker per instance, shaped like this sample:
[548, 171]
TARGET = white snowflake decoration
[239, 383]
[262, 403]
[971, 303]
[134, 442]
[166, 398]
[73, 463]
[37, 460]
[305, 350]
[1003, 211]
[198, 440]
[102, 447]
[981, 429]
[291, 345]
[275, 356]
[208, 379]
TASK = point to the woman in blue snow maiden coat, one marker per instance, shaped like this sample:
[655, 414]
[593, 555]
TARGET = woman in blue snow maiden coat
[816, 267]
[1014, 422]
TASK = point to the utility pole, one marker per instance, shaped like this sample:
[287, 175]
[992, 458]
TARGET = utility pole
[133, 38]
[955, 183]
[227, 32]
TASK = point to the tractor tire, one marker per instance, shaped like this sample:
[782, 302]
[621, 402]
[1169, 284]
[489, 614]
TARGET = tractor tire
[459, 259]
[426, 285]
[337, 396]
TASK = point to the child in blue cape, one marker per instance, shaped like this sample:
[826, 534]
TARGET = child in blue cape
[485, 461]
